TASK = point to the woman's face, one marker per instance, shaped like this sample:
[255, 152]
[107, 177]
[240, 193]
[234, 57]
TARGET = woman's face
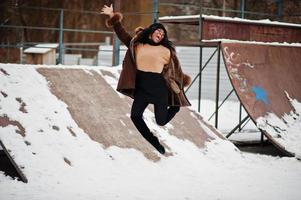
[157, 35]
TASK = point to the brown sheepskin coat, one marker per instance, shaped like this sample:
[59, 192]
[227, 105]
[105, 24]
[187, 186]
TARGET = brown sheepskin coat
[172, 71]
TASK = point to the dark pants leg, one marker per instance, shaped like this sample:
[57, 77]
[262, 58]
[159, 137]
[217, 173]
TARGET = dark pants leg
[163, 114]
[137, 110]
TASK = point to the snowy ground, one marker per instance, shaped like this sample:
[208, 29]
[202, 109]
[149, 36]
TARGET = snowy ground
[219, 171]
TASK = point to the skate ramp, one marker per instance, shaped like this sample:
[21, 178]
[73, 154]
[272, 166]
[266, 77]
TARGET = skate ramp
[49, 115]
[267, 80]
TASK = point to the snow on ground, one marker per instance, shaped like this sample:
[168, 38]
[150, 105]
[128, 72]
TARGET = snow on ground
[219, 171]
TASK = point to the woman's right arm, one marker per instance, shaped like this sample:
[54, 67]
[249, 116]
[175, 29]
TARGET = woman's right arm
[115, 22]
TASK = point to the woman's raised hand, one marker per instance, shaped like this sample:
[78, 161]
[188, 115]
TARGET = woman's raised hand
[107, 10]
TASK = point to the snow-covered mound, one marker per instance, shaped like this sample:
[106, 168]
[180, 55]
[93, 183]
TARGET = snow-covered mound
[71, 135]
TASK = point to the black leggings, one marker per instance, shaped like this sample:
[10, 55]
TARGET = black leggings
[163, 115]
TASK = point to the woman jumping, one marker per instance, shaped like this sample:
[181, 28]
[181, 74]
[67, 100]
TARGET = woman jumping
[151, 74]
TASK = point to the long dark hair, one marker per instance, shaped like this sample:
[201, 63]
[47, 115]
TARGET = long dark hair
[144, 37]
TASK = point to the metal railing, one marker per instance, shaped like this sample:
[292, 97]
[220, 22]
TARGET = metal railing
[203, 9]
[62, 47]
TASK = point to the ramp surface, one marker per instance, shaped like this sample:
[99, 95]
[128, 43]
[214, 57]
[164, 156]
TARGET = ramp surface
[267, 80]
[104, 115]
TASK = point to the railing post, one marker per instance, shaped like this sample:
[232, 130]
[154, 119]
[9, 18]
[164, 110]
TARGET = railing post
[217, 86]
[116, 50]
[280, 10]
[61, 34]
[116, 42]
[201, 58]
[240, 113]
[242, 8]
[200, 79]
[155, 11]
[262, 138]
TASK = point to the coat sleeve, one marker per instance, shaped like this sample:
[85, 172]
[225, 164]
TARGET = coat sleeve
[122, 34]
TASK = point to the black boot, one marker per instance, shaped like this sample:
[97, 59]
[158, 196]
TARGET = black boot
[157, 145]
[161, 149]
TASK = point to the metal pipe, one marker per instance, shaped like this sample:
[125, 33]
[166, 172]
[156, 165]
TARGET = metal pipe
[61, 34]
[222, 103]
[217, 86]
[217, 9]
[138, 13]
[155, 11]
[245, 123]
[201, 57]
[236, 127]
[242, 8]
[240, 112]
[55, 29]
[80, 11]
[64, 48]
[116, 41]
[201, 70]
[262, 137]
[200, 80]
[86, 31]
[280, 10]
[116, 51]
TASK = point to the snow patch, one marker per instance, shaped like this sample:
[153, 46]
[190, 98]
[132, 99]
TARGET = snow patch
[232, 19]
[285, 130]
